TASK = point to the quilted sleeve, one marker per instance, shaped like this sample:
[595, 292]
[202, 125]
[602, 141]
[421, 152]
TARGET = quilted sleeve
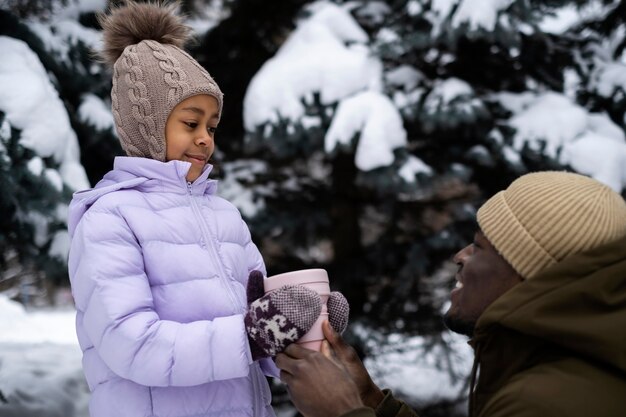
[112, 292]
[253, 256]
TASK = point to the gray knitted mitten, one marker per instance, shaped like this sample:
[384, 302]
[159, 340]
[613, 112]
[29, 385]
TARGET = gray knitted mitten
[338, 311]
[279, 318]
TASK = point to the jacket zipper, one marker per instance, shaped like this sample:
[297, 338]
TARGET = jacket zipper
[208, 242]
[256, 410]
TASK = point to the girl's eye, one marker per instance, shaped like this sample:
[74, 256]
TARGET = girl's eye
[211, 130]
[192, 125]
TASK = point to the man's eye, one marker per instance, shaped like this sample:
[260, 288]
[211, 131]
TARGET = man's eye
[192, 125]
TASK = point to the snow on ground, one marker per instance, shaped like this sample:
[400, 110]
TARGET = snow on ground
[40, 363]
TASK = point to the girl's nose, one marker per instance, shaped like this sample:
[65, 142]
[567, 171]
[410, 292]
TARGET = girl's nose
[203, 140]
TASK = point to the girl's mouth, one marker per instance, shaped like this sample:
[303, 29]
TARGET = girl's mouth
[196, 159]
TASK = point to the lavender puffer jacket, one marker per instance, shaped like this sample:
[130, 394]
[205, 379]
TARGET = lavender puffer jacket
[158, 269]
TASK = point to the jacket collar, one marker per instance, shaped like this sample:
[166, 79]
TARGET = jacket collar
[161, 176]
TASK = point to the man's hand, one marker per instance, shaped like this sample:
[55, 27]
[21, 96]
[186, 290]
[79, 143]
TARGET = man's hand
[336, 349]
[318, 386]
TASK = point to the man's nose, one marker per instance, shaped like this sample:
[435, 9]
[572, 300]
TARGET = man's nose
[461, 256]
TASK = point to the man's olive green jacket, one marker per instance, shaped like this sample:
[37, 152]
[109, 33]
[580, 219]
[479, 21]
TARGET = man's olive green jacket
[553, 346]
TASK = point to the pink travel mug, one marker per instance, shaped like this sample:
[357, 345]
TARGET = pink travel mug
[316, 280]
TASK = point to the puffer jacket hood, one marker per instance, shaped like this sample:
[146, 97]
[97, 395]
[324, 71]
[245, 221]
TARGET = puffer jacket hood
[158, 268]
[574, 309]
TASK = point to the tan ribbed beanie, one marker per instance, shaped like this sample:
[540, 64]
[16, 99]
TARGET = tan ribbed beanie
[543, 217]
[151, 73]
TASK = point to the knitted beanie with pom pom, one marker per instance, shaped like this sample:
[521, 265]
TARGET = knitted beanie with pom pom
[151, 73]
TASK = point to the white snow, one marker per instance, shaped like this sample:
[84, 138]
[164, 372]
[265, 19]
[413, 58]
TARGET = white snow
[412, 167]
[32, 104]
[515, 102]
[590, 143]
[552, 120]
[58, 35]
[600, 123]
[35, 166]
[40, 373]
[564, 18]
[413, 7]
[209, 16]
[445, 91]
[404, 76]
[599, 156]
[53, 177]
[40, 224]
[60, 246]
[379, 125]
[560, 20]
[608, 78]
[479, 14]
[232, 189]
[74, 8]
[38, 326]
[94, 111]
[324, 54]
[373, 12]
[424, 369]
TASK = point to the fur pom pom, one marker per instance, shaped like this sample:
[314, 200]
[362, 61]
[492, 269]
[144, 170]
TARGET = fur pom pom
[134, 22]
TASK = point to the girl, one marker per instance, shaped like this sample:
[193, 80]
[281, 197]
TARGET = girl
[158, 263]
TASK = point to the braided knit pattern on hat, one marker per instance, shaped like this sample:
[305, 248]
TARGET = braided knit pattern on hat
[544, 217]
[279, 318]
[151, 74]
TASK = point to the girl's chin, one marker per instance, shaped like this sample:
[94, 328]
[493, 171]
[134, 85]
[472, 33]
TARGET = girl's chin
[192, 175]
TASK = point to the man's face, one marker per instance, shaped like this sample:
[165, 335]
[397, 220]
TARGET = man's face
[483, 276]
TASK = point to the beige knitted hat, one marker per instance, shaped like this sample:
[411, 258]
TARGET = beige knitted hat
[543, 217]
[151, 73]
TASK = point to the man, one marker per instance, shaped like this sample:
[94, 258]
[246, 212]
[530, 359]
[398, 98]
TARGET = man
[541, 292]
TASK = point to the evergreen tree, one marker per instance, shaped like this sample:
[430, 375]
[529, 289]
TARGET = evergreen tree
[469, 81]
[40, 161]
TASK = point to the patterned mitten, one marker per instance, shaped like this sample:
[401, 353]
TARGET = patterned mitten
[255, 288]
[338, 311]
[279, 318]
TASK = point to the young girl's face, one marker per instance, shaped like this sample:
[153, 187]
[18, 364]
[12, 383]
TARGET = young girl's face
[190, 132]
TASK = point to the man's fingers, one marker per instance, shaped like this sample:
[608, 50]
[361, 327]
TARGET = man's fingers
[285, 377]
[341, 350]
[284, 363]
[334, 338]
[297, 352]
[326, 349]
